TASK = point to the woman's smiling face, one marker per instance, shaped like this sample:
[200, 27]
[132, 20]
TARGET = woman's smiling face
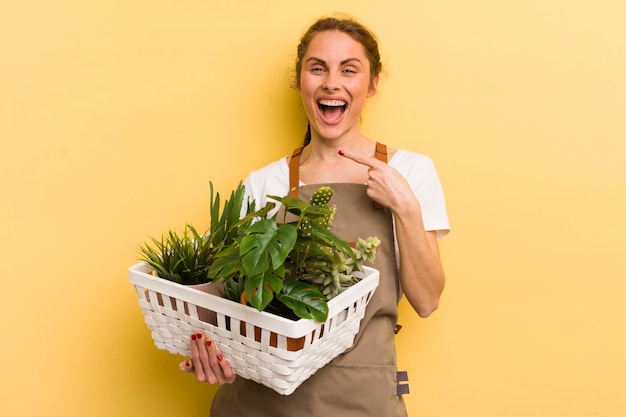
[334, 83]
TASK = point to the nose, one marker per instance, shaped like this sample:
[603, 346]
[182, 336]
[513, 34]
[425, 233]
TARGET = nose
[331, 83]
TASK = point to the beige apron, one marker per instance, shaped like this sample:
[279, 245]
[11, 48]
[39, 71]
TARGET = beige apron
[361, 382]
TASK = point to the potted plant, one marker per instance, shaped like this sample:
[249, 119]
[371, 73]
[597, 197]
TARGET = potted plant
[186, 258]
[285, 311]
[290, 266]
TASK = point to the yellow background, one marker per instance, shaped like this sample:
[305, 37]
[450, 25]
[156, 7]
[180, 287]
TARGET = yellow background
[114, 116]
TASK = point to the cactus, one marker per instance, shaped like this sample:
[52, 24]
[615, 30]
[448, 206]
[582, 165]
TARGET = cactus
[306, 229]
[321, 196]
[336, 276]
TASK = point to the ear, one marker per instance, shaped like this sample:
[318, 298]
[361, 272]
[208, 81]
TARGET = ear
[373, 87]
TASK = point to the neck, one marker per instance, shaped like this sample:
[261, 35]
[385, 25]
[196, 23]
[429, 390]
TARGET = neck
[324, 149]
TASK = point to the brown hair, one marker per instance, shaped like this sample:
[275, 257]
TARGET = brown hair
[356, 31]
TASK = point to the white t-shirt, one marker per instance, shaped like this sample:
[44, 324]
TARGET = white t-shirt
[418, 169]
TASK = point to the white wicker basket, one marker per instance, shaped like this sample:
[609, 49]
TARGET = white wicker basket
[256, 344]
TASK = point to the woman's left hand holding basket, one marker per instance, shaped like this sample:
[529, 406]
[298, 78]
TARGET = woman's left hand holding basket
[207, 363]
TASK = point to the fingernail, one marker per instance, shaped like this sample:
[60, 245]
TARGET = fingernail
[193, 336]
[187, 363]
[209, 342]
[199, 336]
[220, 357]
[340, 152]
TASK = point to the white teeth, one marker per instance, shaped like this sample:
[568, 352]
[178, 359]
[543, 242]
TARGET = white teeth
[332, 103]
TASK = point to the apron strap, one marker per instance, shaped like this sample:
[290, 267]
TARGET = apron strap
[294, 168]
[294, 172]
[381, 152]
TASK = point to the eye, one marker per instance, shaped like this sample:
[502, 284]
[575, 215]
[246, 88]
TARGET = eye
[349, 71]
[317, 69]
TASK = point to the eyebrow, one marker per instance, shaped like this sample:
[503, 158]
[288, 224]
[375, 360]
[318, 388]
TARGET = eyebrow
[345, 61]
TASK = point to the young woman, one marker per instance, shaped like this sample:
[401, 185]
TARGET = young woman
[393, 194]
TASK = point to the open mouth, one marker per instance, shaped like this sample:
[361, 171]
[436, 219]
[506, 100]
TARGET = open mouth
[331, 110]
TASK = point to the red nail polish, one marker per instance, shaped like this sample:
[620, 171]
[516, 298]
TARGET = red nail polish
[199, 336]
[220, 357]
[209, 342]
[193, 336]
[340, 152]
[187, 363]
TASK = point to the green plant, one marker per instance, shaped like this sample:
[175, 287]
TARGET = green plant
[182, 258]
[186, 257]
[297, 263]
[291, 267]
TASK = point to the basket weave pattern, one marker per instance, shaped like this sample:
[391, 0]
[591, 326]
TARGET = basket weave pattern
[256, 344]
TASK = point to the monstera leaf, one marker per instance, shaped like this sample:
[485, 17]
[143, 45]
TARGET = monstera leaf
[266, 246]
[263, 251]
[304, 299]
[260, 289]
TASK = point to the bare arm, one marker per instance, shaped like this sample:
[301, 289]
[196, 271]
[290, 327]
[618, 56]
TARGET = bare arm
[421, 273]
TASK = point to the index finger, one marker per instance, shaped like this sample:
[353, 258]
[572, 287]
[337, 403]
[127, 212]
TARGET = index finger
[363, 160]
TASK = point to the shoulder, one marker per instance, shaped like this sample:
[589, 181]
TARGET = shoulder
[419, 171]
[272, 179]
[278, 167]
[412, 165]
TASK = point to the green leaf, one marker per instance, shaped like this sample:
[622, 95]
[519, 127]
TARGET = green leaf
[304, 299]
[261, 213]
[226, 264]
[233, 289]
[215, 230]
[232, 212]
[260, 289]
[223, 227]
[265, 242]
[301, 208]
[236, 201]
[178, 257]
[330, 239]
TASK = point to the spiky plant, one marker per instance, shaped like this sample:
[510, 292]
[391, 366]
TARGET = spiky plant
[182, 258]
[186, 257]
